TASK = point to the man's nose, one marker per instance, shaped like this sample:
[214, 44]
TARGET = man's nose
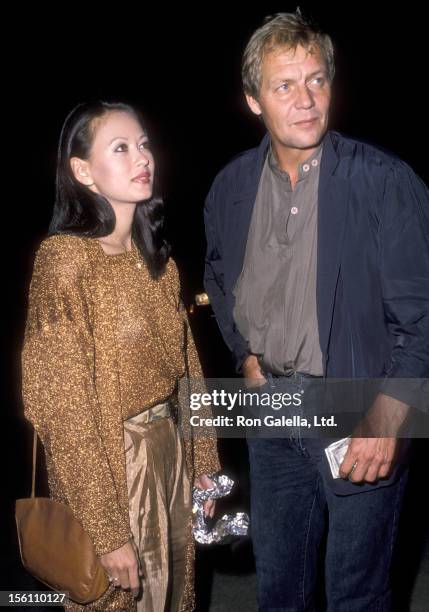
[304, 99]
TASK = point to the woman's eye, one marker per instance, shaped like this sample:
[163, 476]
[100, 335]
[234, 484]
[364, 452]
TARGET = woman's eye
[121, 148]
[144, 145]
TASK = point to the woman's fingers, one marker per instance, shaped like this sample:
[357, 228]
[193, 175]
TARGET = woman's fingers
[204, 482]
[124, 581]
[123, 567]
[136, 552]
[134, 580]
[209, 507]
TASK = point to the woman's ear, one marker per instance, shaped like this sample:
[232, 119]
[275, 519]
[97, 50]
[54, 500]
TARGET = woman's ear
[81, 171]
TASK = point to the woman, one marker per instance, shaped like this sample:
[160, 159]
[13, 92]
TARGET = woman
[105, 345]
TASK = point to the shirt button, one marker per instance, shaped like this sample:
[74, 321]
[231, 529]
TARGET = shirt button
[314, 162]
[294, 210]
[306, 167]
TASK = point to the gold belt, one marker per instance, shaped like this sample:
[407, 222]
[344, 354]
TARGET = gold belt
[160, 411]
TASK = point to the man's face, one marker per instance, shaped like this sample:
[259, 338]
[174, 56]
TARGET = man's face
[294, 97]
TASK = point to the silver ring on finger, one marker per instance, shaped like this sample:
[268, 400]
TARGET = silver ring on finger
[353, 469]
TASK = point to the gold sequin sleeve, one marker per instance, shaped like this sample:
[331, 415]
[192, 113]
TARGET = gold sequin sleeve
[59, 391]
[205, 454]
[206, 459]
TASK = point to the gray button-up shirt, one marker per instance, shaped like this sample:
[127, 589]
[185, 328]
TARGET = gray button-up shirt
[275, 294]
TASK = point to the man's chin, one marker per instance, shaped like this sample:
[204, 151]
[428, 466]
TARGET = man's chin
[305, 142]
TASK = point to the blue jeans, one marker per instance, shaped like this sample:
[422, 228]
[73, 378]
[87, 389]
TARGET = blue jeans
[292, 506]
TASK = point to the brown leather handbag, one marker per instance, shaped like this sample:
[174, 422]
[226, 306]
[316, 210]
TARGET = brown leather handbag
[55, 548]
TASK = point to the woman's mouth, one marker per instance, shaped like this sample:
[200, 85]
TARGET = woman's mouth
[143, 177]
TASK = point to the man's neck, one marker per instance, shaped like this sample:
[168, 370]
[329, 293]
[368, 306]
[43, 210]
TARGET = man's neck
[289, 160]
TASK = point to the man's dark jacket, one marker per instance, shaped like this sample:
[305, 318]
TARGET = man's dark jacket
[372, 258]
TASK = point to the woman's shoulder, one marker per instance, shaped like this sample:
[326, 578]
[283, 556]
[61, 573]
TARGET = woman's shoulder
[171, 267]
[62, 253]
[172, 273]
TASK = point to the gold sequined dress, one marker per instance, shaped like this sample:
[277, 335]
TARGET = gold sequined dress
[103, 343]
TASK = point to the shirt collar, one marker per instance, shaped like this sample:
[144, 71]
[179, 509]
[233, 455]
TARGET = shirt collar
[310, 165]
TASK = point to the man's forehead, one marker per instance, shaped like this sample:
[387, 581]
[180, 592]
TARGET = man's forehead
[292, 56]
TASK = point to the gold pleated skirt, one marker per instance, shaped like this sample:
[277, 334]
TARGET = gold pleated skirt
[160, 508]
[160, 517]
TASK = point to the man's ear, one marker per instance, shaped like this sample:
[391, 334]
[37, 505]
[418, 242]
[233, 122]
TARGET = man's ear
[253, 105]
[80, 169]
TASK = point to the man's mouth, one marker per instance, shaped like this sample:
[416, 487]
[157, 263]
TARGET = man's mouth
[306, 122]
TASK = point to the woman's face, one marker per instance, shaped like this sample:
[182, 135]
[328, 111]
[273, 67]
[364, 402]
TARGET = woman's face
[120, 166]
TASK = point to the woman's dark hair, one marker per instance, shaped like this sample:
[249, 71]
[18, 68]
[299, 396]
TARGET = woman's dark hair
[80, 212]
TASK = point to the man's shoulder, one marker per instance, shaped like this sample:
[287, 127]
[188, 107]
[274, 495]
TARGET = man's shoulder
[376, 170]
[238, 170]
[241, 160]
[359, 153]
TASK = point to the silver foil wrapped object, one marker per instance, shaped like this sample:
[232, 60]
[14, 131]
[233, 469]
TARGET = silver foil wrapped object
[335, 453]
[228, 524]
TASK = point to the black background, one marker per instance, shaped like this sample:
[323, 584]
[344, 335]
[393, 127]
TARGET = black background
[181, 67]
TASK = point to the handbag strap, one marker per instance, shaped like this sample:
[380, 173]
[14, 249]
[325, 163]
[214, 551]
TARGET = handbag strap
[33, 479]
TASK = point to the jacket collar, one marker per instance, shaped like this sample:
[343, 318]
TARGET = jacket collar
[248, 189]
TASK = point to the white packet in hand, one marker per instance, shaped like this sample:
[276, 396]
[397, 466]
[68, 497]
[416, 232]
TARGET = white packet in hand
[335, 453]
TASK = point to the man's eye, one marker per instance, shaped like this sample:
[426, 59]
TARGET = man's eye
[284, 87]
[319, 80]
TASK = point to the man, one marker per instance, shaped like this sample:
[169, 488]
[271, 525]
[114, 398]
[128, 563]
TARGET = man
[318, 266]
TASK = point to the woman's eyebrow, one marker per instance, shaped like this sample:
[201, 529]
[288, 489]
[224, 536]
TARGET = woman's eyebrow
[118, 137]
[125, 138]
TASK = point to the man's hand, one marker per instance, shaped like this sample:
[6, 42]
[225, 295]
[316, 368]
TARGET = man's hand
[204, 482]
[370, 458]
[252, 372]
[123, 567]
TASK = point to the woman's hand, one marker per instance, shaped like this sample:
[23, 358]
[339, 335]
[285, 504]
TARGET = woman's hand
[123, 567]
[204, 482]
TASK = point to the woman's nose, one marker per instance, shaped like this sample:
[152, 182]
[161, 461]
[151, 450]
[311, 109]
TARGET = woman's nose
[142, 158]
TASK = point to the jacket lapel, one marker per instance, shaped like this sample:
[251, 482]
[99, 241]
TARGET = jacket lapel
[242, 209]
[332, 215]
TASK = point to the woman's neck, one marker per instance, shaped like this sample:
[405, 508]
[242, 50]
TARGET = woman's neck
[121, 237]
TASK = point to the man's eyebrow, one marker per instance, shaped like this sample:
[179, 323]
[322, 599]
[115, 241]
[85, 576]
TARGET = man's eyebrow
[320, 71]
[279, 79]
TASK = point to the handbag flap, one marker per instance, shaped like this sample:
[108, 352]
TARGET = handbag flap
[56, 549]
